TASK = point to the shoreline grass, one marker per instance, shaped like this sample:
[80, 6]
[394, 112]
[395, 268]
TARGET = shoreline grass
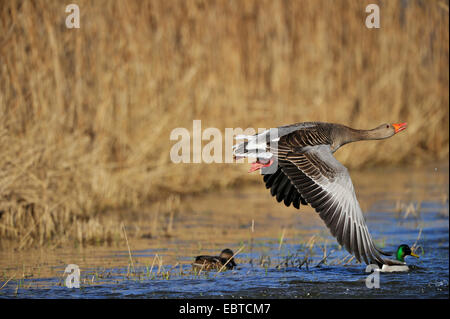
[86, 114]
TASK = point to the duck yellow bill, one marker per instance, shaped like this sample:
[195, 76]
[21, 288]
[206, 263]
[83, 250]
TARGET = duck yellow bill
[414, 255]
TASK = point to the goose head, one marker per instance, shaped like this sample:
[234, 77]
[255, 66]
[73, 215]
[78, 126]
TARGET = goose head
[387, 130]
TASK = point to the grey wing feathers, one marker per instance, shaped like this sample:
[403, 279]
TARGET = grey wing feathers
[326, 185]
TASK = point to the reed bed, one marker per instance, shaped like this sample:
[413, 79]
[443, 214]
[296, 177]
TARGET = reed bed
[86, 114]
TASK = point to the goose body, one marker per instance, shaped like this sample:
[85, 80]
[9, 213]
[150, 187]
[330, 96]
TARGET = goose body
[299, 168]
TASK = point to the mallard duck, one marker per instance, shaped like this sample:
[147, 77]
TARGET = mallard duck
[299, 168]
[215, 262]
[400, 264]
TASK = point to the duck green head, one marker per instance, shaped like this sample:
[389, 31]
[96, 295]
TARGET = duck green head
[403, 251]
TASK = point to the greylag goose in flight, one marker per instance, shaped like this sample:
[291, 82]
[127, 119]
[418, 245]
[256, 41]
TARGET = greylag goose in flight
[299, 168]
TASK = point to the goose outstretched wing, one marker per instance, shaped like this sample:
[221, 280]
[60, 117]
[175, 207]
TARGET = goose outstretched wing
[326, 185]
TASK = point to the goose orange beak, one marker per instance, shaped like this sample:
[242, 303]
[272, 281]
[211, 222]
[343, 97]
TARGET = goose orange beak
[399, 127]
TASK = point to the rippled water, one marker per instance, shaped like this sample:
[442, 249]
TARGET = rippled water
[428, 277]
[268, 269]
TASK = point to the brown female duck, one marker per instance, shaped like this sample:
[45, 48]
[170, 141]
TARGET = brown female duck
[299, 168]
[215, 262]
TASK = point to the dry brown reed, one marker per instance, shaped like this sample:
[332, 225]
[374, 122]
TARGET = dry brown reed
[85, 114]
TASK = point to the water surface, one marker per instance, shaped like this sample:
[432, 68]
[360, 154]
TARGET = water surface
[282, 255]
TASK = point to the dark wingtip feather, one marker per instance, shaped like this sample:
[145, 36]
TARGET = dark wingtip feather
[289, 197]
[296, 202]
[282, 188]
[383, 252]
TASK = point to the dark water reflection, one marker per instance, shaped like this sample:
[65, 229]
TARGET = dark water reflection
[269, 270]
[428, 278]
